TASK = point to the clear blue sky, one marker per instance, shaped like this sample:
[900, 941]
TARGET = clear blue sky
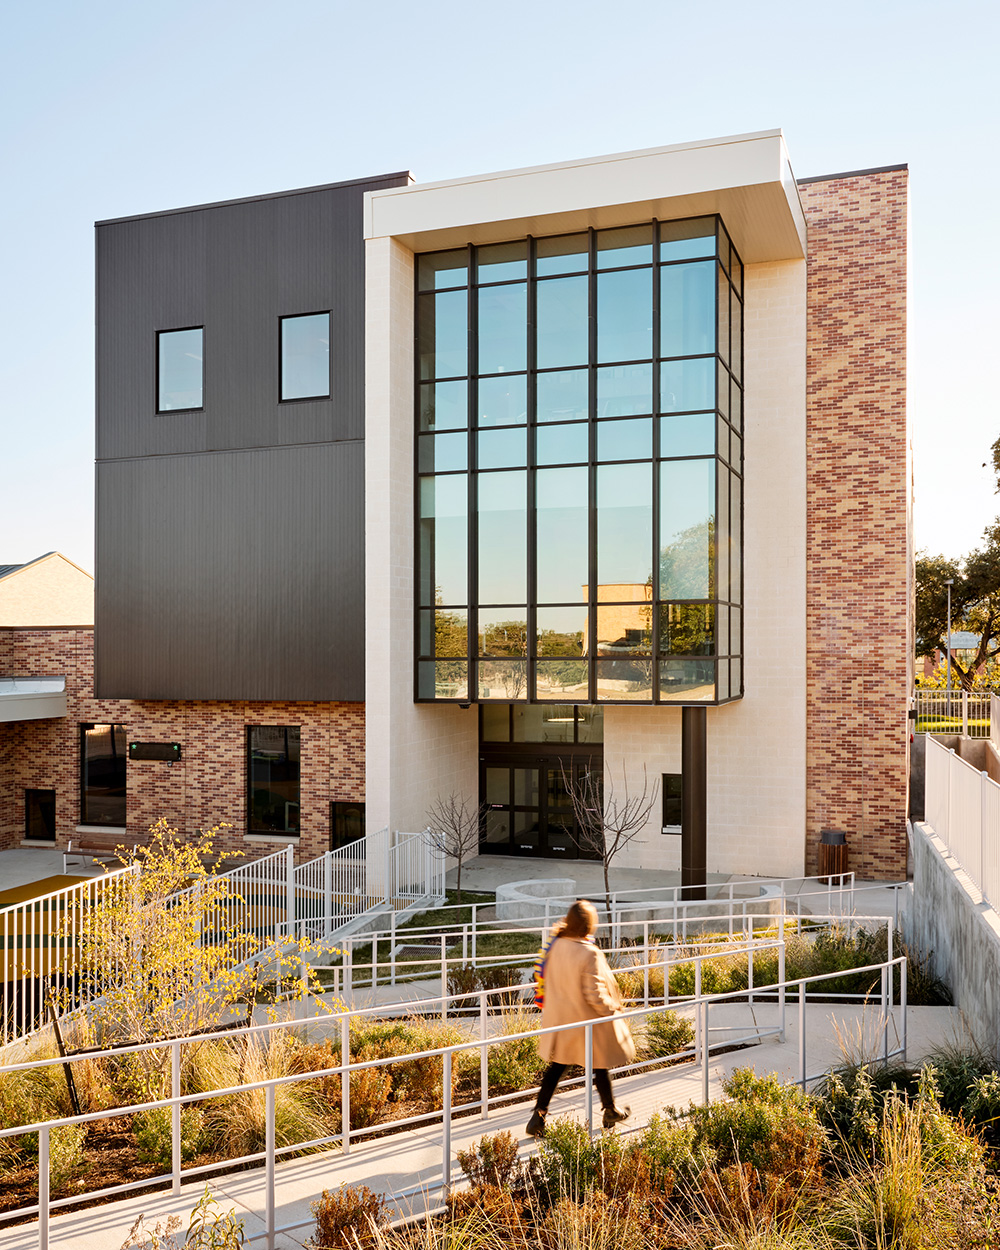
[113, 108]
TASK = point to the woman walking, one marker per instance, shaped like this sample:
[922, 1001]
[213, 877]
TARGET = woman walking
[579, 985]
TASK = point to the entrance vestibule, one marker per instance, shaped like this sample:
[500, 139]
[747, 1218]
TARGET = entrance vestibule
[529, 756]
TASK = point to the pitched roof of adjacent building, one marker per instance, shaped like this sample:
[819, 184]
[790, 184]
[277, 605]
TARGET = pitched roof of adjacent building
[49, 590]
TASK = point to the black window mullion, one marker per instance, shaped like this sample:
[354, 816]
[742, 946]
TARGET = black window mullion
[654, 590]
[531, 500]
[592, 469]
[472, 577]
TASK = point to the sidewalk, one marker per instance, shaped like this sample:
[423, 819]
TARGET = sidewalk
[407, 1159]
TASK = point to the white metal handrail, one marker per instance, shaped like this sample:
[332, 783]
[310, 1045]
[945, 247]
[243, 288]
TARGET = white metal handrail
[962, 806]
[41, 947]
[964, 712]
[700, 1053]
[398, 969]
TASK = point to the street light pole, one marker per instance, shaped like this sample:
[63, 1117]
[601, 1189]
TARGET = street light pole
[949, 583]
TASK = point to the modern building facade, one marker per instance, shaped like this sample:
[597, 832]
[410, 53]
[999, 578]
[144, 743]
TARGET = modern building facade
[594, 466]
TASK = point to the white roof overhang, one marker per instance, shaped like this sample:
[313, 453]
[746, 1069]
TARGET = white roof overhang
[32, 698]
[746, 178]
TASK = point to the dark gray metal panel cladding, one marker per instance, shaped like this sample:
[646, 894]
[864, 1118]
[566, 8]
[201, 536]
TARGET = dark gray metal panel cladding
[230, 541]
[235, 576]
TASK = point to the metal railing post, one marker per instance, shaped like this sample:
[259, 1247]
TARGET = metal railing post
[269, 1153]
[175, 1116]
[902, 1001]
[645, 963]
[965, 713]
[345, 1085]
[446, 1125]
[781, 980]
[444, 982]
[703, 1013]
[750, 972]
[885, 1013]
[699, 1041]
[327, 892]
[802, 1034]
[290, 889]
[588, 1075]
[390, 884]
[484, 1063]
[43, 1188]
[392, 948]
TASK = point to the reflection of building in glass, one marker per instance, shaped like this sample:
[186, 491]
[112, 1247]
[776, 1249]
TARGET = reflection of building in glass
[579, 427]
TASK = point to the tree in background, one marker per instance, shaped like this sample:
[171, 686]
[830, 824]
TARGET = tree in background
[453, 826]
[608, 817]
[975, 606]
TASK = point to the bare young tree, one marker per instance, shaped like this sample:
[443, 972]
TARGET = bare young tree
[453, 826]
[608, 817]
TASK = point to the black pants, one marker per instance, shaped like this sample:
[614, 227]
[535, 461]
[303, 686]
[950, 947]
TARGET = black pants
[550, 1079]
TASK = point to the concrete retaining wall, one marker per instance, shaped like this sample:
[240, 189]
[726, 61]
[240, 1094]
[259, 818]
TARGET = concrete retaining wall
[950, 922]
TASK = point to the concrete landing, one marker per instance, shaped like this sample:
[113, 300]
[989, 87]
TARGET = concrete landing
[414, 1158]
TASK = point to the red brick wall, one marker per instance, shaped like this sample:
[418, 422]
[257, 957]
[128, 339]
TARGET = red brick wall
[859, 648]
[206, 786]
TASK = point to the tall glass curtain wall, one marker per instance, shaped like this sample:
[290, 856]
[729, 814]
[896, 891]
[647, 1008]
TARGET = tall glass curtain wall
[579, 452]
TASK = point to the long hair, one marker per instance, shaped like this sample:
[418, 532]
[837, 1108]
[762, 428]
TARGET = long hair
[580, 921]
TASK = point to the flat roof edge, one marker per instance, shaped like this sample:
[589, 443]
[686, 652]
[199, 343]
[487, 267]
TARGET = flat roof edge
[254, 199]
[604, 158]
[855, 173]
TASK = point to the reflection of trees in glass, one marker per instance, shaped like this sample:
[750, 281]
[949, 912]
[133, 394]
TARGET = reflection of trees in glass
[507, 640]
[451, 634]
[687, 629]
[687, 565]
[555, 642]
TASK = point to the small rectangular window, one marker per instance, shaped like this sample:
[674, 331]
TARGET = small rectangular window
[273, 779]
[40, 815]
[347, 824]
[672, 793]
[103, 752]
[180, 369]
[305, 356]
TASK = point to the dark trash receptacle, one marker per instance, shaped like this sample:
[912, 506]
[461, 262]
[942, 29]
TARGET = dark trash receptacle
[832, 853]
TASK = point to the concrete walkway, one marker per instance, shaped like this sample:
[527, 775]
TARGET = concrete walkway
[414, 1158]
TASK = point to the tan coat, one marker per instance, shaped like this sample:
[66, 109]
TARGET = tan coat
[579, 985]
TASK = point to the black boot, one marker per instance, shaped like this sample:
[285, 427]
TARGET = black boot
[536, 1125]
[614, 1115]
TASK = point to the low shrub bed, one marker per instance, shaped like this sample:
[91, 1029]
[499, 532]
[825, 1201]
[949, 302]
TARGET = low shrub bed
[769, 1168]
[829, 951]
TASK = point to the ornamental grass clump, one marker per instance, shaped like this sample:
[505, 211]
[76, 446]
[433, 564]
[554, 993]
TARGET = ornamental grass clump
[236, 1123]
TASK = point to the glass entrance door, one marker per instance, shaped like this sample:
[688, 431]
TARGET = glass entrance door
[530, 811]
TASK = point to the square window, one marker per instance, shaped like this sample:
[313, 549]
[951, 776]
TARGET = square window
[305, 356]
[180, 369]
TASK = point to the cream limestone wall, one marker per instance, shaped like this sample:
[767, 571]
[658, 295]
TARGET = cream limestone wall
[756, 747]
[413, 753]
[49, 591]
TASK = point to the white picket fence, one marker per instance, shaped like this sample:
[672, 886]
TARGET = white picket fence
[962, 806]
[265, 903]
